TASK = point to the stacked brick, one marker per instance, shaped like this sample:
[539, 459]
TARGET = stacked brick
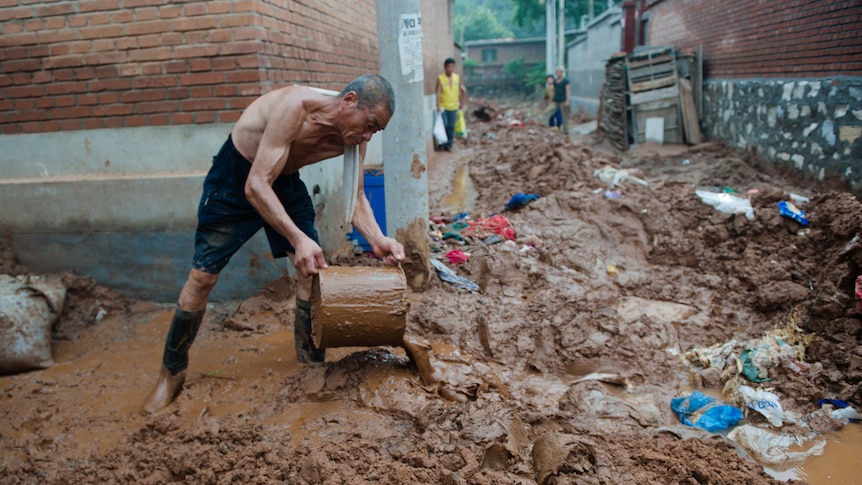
[764, 39]
[87, 64]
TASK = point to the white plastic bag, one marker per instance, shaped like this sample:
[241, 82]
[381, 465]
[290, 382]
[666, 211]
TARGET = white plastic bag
[440, 130]
[765, 403]
[776, 448]
[729, 204]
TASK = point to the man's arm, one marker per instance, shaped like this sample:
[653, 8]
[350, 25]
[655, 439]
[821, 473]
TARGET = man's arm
[269, 161]
[438, 89]
[385, 248]
[462, 96]
[568, 92]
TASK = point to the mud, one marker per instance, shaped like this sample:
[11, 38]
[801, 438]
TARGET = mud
[559, 371]
[359, 307]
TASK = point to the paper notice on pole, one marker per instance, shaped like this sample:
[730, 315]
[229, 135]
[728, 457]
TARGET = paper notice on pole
[410, 47]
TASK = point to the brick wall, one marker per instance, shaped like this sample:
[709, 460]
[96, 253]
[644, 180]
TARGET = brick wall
[71, 65]
[764, 38]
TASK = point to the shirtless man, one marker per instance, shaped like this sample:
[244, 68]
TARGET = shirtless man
[253, 183]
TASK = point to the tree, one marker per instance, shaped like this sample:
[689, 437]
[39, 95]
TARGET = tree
[530, 13]
[504, 12]
[479, 24]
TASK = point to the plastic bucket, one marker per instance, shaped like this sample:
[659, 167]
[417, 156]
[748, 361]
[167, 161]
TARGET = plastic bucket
[359, 307]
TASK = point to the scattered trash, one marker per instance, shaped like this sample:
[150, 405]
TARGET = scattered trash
[491, 136]
[799, 199]
[516, 122]
[612, 176]
[753, 359]
[765, 403]
[519, 200]
[686, 161]
[612, 270]
[457, 256]
[752, 191]
[842, 410]
[492, 239]
[859, 294]
[705, 412]
[613, 194]
[729, 204]
[495, 224]
[448, 275]
[775, 448]
[753, 371]
[787, 209]
[728, 190]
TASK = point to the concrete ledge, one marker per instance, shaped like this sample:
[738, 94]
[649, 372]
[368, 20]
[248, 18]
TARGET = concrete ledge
[147, 264]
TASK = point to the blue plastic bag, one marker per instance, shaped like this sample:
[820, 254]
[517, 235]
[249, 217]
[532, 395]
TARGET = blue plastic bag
[519, 200]
[705, 412]
[787, 209]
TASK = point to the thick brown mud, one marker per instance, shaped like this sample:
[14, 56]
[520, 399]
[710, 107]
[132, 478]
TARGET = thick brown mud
[560, 370]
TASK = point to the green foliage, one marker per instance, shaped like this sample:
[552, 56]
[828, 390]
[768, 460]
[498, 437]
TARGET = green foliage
[535, 77]
[479, 24]
[504, 12]
[515, 66]
[470, 66]
[531, 13]
[532, 77]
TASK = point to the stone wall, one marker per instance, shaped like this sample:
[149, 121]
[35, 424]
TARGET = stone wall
[785, 80]
[813, 124]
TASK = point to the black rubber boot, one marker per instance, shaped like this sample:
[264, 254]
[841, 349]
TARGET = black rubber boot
[181, 336]
[175, 360]
[306, 352]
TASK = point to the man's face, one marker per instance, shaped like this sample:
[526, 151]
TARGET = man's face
[362, 123]
[559, 73]
[450, 68]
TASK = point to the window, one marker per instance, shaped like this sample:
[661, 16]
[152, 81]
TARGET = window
[489, 55]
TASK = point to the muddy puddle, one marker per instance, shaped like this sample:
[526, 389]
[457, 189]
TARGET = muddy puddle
[559, 369]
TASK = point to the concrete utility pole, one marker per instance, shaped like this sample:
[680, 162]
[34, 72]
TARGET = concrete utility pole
[550, 33]
[561, 53]
[405, 182]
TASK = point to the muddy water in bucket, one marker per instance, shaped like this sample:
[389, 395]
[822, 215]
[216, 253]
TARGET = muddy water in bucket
[359, 307]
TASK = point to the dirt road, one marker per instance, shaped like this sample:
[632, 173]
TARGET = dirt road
[565, 361]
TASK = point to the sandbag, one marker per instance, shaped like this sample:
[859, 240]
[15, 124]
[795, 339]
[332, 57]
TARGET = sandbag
[29, 306]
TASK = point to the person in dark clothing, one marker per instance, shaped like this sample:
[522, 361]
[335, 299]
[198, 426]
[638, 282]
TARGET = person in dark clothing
[562, 96]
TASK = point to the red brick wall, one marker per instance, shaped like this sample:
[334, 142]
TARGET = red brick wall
[764, 38]
[71, 65]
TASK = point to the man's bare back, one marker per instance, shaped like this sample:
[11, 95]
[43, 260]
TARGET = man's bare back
[301, 119]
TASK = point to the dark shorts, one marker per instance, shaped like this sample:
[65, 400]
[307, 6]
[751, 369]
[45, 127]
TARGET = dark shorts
[226, 220]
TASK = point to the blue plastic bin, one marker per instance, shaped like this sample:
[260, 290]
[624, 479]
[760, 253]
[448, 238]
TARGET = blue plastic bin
[374, 191]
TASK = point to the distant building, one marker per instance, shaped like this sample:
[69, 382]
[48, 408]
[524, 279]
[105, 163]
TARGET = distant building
[485, 60]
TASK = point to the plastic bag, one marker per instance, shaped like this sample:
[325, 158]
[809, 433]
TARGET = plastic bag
[612, 176]
[440, 130]
[729, 204]
[775, 448]
[519, 200]
[460, 125]
[448, 275]
[705, 412]
[787, 209]
[765, 403]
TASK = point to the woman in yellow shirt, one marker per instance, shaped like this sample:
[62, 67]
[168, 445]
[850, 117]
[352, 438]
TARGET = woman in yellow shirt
[451, 96]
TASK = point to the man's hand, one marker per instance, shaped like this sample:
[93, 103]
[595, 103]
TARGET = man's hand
[308, 258]
[389, 250]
